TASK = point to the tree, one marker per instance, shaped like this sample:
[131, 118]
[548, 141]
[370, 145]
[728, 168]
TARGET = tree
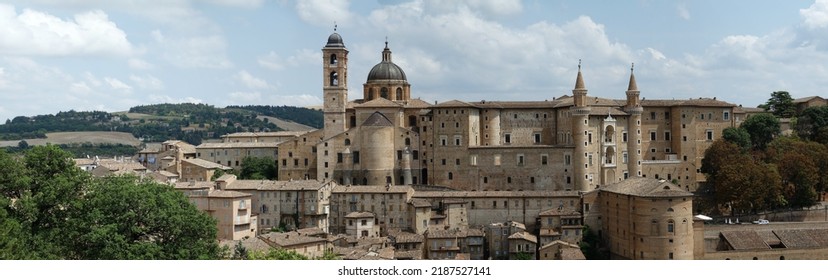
[799, 178]
[258, 168]
[23, 145]
[240, 252]
[780, 105]
[45, 187]
[812, 124]
[277, 254]
[762, 129]
[735, 179]
[127, 218]
[738, 136]
[591, 245]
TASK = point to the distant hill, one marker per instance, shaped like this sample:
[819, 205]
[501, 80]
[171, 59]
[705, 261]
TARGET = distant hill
[152, 123]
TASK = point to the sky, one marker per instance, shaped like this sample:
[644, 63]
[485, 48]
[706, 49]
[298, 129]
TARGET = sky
[60, 55]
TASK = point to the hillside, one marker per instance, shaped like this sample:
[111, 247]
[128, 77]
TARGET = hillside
[152, 123]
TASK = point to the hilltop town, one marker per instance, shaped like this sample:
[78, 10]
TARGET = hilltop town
[390, 176]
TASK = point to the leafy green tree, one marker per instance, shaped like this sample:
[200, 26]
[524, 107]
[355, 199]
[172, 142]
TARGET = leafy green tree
[258, 168]
[762, 129]
[799, 178]
[277, 254]
[240, 252]
[127, 218]
[45, 186]
[591, 245]
[734, 178]
[812, 124]
[23, 145]
[780, 105]
[523, 256]
[738, 136]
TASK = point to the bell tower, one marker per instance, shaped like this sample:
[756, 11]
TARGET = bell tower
[334, 84]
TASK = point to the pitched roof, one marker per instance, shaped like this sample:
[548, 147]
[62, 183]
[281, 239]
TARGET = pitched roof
[572, 254]
[453, 104]
[397, 236]
[524, 236]
[419, 203]
[805, 99]
[447, 233]
[516, 104]
[356, 215]
[231, 145]
[379, 102]
[646, 187]
[744, 240]
[377, 119]
[205, 164]
[370, 189]
[559, 212]
[696, 102]
[266, 134]
[481, 194]
[416, 103]
[286, 239]
[227, 194]
[803, 238]
[268, 185]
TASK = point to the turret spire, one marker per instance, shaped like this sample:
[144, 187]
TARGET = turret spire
[633, 85]
[579, 82]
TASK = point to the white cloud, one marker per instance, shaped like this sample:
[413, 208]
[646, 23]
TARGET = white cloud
[682, 11]
[240, 97]
[117, 84]
[139, 64]
[248, 4]
[37, 33]
[324, 12]
[194, 52]
[249, 81]
[160, 98]
[815, 16]
[3, 80]
[300, 100]
[485, 8]
[80, 87]
[147, 82]
[302, 57]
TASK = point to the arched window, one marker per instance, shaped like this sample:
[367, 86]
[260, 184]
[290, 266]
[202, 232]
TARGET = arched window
[371, 94]
[384, 92]
[610, 133]
[347, 142]
[451, 176]
[399, 94]
[333, 59]
[334, 78]
[671, 226]
[408, 141]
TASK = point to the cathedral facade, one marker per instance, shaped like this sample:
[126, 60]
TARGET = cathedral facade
[574, 142]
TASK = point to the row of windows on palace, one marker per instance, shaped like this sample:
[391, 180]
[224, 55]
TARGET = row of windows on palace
[653, 115]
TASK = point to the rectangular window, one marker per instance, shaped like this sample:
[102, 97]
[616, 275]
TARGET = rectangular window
[709, 135]
[399, 154]
[356, 156]
[457, 161]
[567, 159]
[443, 140]
[701, 116]
[666, 115]
[520, 159]
[544, 159]
[473, 160]
[652, 115]
[666, 136]
[457, 140]
[339, 157]
[726, 115]
[652, 135]
[589, 159]
[590, 137]
[537, 138]
[624, 157]
[507, 138]
[497, 160]
[624, 136]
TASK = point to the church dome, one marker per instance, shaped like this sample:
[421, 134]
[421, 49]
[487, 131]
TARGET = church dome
[386, 70]
[335, 41]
